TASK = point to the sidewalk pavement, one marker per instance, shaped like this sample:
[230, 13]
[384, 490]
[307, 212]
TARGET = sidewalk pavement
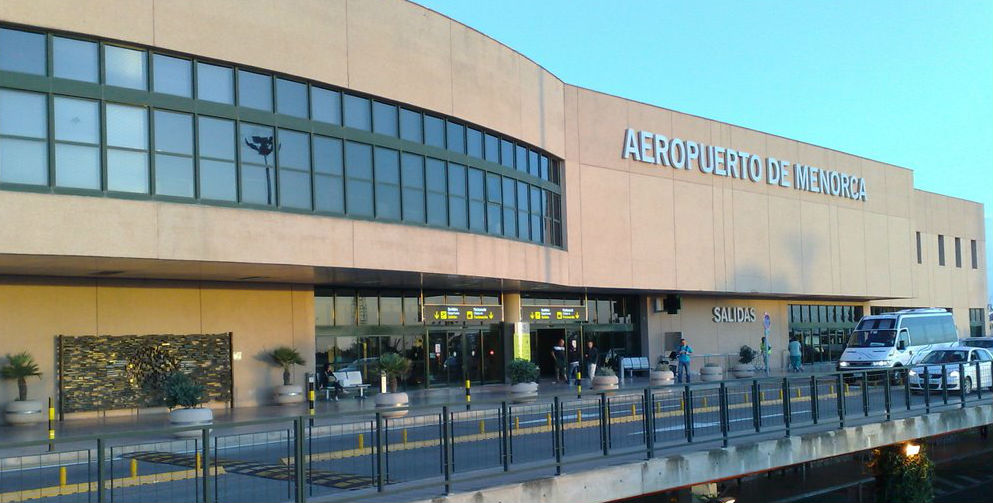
[151, 419]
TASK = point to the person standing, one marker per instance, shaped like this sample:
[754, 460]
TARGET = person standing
[558, 354]
[683, 357]
[592, 356]
[795, 354]
[766, 350]
[574, 353]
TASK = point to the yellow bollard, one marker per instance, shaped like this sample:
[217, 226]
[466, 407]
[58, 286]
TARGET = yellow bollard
[798, 392]
[134, 468]
[780, 394]
[633, 410]
[704, 401]
[548, 419]
[62, 476]
[761, 396]
[579, 417]
[831, 389]
[682, 404]
[658, 407]
[361, 441]
[403, 435]
[482, 426]
[199, 463]
[846, 389]
[517, 423]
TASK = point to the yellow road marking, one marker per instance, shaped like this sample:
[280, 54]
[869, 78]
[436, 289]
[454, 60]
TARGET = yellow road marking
[84, 487]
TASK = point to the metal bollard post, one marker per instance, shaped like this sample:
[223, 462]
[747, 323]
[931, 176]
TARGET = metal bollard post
[649, 423]
[380, 478]
[927, 390]
[906, 387]
[841, 400]
[962, 378]
[205, 473]
[604, 420]
[556, 434]
[505, 435]
[865, 393]
[722, 404]
[887, 399]
[579, 385]
[786, 404]
[944, 385]
[756, 406]
[445, 449]
[101, 454]
[814, 400]
[468, 395]
[688, 412]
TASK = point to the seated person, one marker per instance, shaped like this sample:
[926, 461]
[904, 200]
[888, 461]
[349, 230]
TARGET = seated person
[328, 380]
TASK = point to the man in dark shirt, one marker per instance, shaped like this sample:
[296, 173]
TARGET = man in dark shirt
[573, 352]
[592, 356]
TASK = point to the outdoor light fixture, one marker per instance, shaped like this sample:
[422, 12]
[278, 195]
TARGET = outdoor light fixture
[911, 450]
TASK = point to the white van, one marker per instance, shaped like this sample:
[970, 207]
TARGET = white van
[897, 339]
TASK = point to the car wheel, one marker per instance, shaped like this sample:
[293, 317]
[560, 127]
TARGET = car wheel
[967, 386]
[896, 376]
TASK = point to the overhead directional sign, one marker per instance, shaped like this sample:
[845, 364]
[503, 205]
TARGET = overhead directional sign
[553, 313]
[446, 312]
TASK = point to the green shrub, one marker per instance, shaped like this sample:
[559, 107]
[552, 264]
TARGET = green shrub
[395, 367]
[286, 357]
[605, 372]
[181, 390]
[746, 354]
[520, 371]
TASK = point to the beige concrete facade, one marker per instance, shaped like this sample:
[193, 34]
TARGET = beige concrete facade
[630, 226]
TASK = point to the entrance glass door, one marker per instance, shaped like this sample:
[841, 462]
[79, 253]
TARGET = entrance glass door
[444, 357]
[454, 355]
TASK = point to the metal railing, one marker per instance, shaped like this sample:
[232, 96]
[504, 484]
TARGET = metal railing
[420, 452]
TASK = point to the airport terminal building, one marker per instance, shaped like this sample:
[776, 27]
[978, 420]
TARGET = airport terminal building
[357, 177]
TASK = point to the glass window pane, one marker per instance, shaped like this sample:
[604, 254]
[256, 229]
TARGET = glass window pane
[544, 168]
[509, 194]
[410, 126]
[507, 153]
[217, 180]
[493, 187]
[344, 309]
[434, 131]
[388, 201]
[329, 193]
[173, 132]
[533, 163]
[294, 189]
[124, 67]
[172, 75]
[258, 177]
[474, 143]
[358, 113]
[327, 155]
[437, 205]
[215, 83]
[456, 137]
[22, 51]
[476, 187]
[522, 196]
[291, 98]
[413, 204]
[174, 175]
[294, 150]
[23, 114]
[216, 138]
[75, 59]
[413, 170]
[493, 213]
[77, 166]
[23, 161]
[325, 105]
[492, 148]
[77, 120]
[358, 160]
[127, 126]
[477, 219]
[387, 166]
[359, 200]
[127, 171]
[384, 118]
[389, 310]
[521, 158]
[457, 216]
[456, 179]
[254, 90]
[437, 180]
[509, 222]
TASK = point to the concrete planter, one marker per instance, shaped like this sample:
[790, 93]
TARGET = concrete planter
[26, 412]
[391, 400]
[743, 370]
[711, 373]
[524, 392]
[661, 377]
[601, 383]
[190, 417]
[289, 394]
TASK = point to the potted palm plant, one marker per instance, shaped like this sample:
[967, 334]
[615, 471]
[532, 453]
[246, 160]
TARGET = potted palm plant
[286, 357]
[523, 374]
[395, 367]
[20, 367]
[744, 368]
[184, 397]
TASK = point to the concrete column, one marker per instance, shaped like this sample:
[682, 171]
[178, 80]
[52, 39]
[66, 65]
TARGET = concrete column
[511, 307]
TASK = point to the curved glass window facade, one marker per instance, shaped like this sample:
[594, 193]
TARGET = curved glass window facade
[90, 117]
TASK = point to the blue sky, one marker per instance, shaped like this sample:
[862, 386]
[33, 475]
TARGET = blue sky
[907, 83]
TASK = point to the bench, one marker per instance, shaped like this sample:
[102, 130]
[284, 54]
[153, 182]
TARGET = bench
[349, 380]
[635, 364]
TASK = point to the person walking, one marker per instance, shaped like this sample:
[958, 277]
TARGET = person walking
[795, 353]
[574, 354]
[591, 357]
[558, 354]
[766, 350]
[683, 357]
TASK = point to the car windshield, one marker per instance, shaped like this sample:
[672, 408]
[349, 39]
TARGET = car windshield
[872, 339]
[946, 357]
[978, 344]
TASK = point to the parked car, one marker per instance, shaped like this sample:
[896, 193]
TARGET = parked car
[369, 367]
[978, 342]
[957, 364]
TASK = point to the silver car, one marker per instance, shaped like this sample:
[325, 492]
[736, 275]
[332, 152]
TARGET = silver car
[957, 364]
[978, 342]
